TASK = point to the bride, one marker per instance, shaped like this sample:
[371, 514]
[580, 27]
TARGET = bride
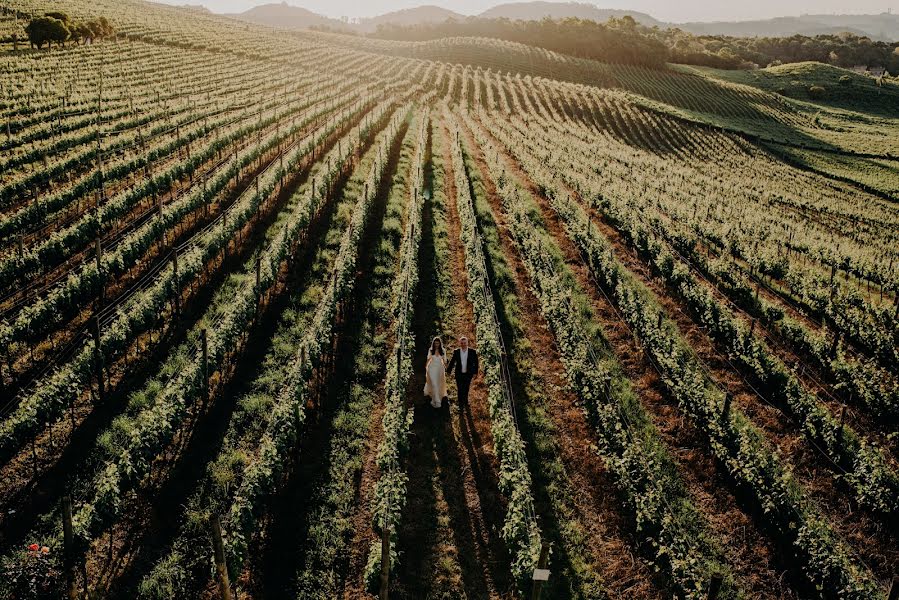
[435, 373]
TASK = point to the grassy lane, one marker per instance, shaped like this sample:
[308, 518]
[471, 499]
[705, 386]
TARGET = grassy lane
[25, 497]
[162, 415]
[329, 530]
[288, 527]
[253, 397]
[426, 540]
[449, 537]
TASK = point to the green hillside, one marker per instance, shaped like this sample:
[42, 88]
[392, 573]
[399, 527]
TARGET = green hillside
[239, 265]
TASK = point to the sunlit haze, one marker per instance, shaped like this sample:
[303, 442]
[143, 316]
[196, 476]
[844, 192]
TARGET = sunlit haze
[684, 10]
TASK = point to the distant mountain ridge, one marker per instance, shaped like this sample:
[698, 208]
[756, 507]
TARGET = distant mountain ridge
[287, 16]
[884, 27]
[534, 11]
[409, 16]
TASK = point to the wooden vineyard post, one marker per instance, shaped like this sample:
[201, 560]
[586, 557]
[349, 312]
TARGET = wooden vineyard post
[715, 587]
[177, 284]
[204, 336]
[258, 278]
[34, 462]
[842, 423]
[68, 536]
[540, 573]
[158, 198]
[894, 589]
[99, 256]
[98, 356]
[385, 552]
[220, 566]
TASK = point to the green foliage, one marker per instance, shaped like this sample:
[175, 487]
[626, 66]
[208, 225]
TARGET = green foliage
[32, 573]
[46, 30]
[50, 399]
[56, 26]
[816, 92]
[740, 447]
[617, 41]
[675, 536]
[240, 484]
[170, 579]
[625, 41]
[520, 530]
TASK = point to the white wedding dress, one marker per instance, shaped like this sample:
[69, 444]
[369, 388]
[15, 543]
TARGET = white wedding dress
[435, 379]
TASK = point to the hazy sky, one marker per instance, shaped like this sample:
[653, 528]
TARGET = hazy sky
[667, 10]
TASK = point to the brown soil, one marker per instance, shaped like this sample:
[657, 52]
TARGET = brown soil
[748, 552]
[870, 539]
[611, 539]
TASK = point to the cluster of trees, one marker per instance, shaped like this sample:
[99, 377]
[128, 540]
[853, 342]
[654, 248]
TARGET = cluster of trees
[617, 40]
[840, 50]
[625, 41]
[58, 27]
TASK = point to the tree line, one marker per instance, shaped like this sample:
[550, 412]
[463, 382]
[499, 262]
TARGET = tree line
[59, 28]
[617, 40]
[725, 52]
[623, 40]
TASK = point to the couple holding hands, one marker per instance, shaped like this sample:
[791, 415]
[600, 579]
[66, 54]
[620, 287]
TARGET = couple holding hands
[465, 364]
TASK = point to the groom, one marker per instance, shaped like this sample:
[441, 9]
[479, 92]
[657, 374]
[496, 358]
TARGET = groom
[465, 360]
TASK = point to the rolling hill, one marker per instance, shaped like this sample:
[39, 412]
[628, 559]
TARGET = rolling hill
[230, 254]
[287, 16]
[409, 16]
[883, 27]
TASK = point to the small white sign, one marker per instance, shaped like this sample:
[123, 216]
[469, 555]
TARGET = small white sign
[541, 574]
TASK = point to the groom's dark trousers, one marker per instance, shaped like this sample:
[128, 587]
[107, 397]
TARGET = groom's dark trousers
[463, 380]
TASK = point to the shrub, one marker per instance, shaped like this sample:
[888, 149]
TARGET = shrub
[845, 80]
[816, 91]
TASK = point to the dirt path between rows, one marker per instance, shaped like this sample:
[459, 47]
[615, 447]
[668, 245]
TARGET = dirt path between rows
[750, 554]
[606, 527]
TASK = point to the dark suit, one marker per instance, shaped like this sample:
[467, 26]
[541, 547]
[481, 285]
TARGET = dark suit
[463, 380]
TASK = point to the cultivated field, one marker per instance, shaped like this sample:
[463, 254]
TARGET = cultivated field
[225, 249]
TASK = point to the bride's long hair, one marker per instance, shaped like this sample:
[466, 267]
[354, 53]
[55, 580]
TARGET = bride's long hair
[436, 341]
